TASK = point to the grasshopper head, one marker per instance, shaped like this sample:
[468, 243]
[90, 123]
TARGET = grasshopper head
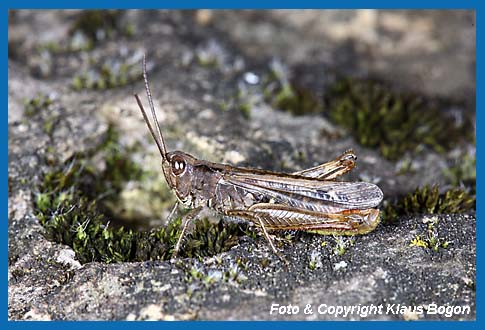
[178, 168]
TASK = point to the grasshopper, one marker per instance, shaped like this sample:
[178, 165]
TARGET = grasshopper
[309, 200]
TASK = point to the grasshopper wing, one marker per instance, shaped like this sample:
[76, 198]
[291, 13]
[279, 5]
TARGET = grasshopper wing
[307, 193]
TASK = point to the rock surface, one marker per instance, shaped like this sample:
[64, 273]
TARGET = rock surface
[195, 60]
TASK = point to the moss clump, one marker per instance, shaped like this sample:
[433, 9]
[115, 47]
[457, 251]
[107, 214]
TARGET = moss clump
[40, 103]
[394, 122]
[245, 109]
[96, 25]
[243, 102]
[428, 200]
[199, 275]
[209, 239]
[464, 172]
[376, 116]
[110, 74]
[289, 96]
[73, 219]
[42, 106]
[296, 100]
[89, 28]
[72, 206]
[431, 239]
[207, 60]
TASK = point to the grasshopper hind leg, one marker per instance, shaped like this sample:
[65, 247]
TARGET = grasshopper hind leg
[270, 241]
[265, 232]
[332, 169]
[256, 219]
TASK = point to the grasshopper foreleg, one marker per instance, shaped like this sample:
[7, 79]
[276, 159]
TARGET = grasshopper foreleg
[185, 223]
[172, 212]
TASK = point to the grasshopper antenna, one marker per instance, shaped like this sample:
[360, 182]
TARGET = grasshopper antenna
[145, 117]
[158, 140]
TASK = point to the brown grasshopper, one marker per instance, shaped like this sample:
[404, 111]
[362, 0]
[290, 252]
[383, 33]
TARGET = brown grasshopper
[307, 200]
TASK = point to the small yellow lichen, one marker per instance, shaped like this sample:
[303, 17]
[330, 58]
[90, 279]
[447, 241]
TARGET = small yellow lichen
[419, 242]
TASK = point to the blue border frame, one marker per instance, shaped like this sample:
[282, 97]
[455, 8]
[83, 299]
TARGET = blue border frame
[285, 4]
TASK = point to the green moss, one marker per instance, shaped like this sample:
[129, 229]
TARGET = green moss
[428, 200]
[464, 172]
[378, 117]
[88, 28]
[341, 245]
[431, 239]
[315, 260]
[75, 43]
[111, 74]
[78, 222]
[49, 124]
[129, 30]
[405, 166]
[395, 123]
[96, 25]
[209, 239]
[223, 106]
[298, 101]
[42, 106]
[49, 46]
[198, 274]
[286, 96]
[207, 62]
[243, 101]
[245, 109]
[73, 206]
[38, 104]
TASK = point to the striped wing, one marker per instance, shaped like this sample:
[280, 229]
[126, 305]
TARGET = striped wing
[307, 193]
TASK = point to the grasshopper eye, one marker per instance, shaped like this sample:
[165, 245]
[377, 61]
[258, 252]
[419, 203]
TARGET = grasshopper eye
[178, 165]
